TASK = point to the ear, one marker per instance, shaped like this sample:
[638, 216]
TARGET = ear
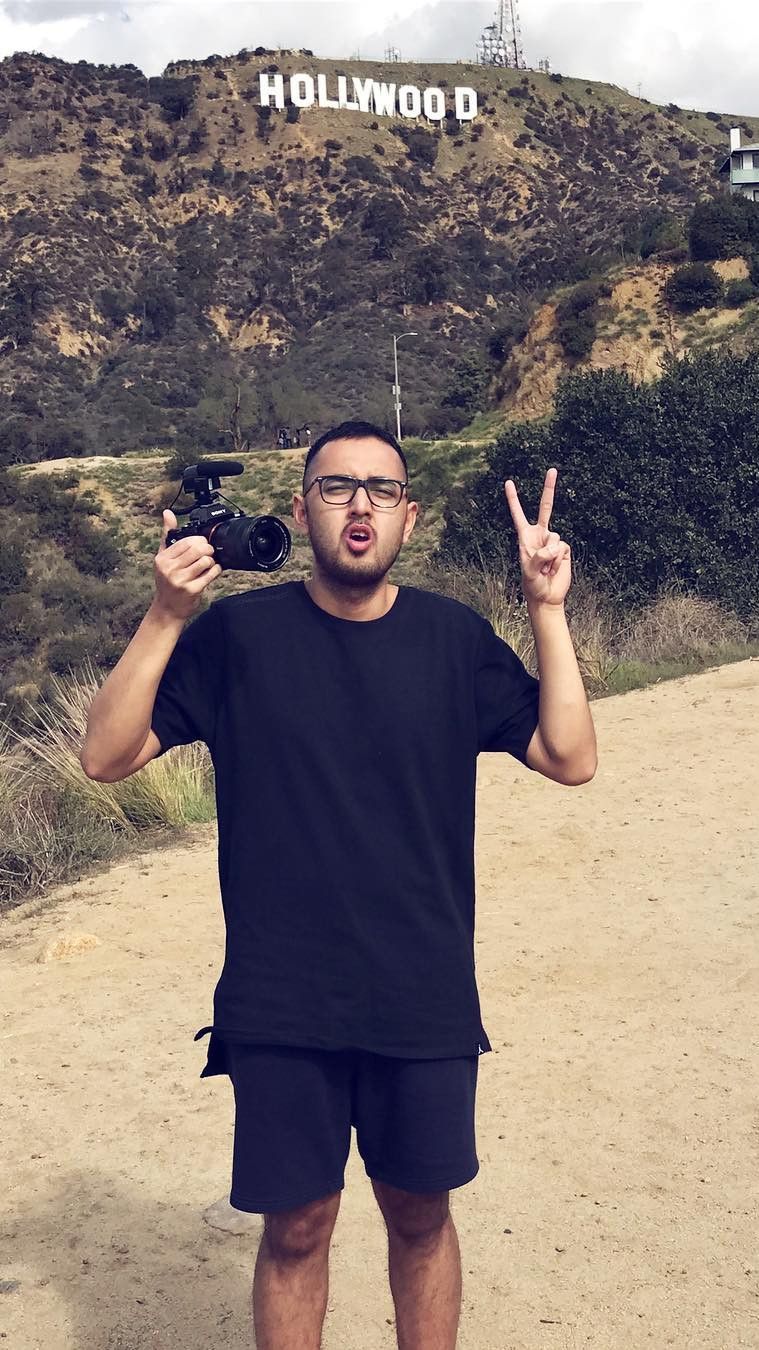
[299, 513]
[411, 514]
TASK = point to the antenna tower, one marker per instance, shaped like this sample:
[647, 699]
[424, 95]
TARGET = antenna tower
[501, 42]
[392, 54]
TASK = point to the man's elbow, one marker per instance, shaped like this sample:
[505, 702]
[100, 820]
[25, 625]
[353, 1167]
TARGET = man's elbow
[88, 768]
[574, 775]
[570, 771]
[94, 771]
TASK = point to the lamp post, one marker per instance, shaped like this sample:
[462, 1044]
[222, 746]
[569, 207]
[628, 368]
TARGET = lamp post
[396, 386]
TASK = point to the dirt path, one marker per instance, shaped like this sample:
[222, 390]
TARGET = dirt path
[616, 1202]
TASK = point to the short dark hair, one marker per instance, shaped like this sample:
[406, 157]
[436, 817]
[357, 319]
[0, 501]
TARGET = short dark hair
[353, 431]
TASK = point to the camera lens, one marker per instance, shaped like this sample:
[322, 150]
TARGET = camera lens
[251, 544]
[269, 543]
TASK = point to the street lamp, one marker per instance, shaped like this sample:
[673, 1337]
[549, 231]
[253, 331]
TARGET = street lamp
[396, 386]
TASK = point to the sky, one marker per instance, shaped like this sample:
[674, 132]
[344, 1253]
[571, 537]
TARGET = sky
[691, 53]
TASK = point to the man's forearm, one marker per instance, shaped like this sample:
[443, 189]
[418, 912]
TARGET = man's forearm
[119, 717]
[566, 726]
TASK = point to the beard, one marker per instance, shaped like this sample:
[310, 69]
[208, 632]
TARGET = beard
[363, 571]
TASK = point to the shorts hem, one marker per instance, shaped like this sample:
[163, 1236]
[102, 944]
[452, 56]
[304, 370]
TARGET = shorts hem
[276, 1206]
[428, 1186]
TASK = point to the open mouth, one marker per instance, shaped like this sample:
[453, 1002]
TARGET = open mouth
[359, 538]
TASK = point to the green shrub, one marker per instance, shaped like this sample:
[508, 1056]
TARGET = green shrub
[657, 482]
[722, 227]
[654, 232]
[577, 315]
[695, 286]
[738, 292]
[22, 620]
[72, 650]
[13, 572]
[114, 305]
[94, 551]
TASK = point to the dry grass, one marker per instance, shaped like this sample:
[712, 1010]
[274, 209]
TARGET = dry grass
[681, 627]
[54, 820]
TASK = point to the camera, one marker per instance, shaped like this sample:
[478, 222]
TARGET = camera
[240, 542]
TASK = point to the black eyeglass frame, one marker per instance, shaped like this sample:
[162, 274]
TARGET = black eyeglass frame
[357, 482]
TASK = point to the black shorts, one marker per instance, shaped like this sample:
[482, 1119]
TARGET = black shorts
[294, 1109]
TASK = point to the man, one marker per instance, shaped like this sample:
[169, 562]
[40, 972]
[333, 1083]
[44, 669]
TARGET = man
[344, 715]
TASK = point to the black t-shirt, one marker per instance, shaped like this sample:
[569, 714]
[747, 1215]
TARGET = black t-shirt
[345, 759]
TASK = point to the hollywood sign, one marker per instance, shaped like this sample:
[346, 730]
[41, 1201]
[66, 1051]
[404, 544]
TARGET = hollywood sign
[367, 96]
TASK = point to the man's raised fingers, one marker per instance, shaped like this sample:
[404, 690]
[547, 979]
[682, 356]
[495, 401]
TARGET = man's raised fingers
[546, 500]
[515, 506]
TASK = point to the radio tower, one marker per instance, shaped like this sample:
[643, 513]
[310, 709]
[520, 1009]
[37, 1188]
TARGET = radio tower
[501, 42]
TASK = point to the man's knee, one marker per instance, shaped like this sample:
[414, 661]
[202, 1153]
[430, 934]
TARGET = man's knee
[412, 1217]
[296, 1233]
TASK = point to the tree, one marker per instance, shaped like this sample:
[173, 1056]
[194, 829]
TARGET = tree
[695, 286]
[240, 443]
[467, 385]
[385, 221]
[657, 482]
[157, 306]
[577, 315]
[723, 227]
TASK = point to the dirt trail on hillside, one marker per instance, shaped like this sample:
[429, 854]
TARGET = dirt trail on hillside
[618, 965]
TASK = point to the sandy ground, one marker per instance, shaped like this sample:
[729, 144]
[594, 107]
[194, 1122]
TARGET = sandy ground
[618, 1135]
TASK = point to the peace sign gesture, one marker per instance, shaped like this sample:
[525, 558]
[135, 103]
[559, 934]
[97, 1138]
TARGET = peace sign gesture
[543, 557]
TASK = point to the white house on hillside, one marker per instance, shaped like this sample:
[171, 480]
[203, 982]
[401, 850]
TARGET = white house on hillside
[743, 166]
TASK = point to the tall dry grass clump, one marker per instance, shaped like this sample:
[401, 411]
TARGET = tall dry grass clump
[492, 589]
[616, 648]
[681, 627]
[54, 819]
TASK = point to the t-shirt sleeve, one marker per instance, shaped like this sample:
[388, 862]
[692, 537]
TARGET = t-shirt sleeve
[188, 696]
[506, 696]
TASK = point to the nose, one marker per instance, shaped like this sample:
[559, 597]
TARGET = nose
[361, 503]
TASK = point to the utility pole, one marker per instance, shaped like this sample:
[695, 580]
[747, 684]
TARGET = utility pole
[396, 386]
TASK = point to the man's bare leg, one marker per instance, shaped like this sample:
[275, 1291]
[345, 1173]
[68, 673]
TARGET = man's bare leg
[425, 1268]
[291, 1281]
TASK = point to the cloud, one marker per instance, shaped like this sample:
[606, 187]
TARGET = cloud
[447, 31]
[673, 49]
[53, 11]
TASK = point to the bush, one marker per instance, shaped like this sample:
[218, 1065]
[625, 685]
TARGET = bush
[724, 227]
[654, 232]
[738, 292]
[176, 97]
[114, 305]
[13, 573]
[657, 482]
[23, 620]
[576, 319]
[73, 650]
[421, 145]
[695, 286]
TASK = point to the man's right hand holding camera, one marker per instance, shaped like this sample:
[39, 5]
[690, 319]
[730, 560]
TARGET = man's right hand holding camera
[182, 571]
[119, 738]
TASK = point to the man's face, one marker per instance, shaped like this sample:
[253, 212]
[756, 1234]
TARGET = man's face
[328, 525]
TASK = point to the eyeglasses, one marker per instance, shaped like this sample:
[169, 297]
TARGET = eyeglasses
[338, 490]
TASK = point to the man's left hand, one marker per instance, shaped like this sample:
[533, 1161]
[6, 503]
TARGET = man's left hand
[544, 558]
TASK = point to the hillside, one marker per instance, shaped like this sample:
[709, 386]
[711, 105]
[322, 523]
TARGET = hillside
[163, 239]
[636, 332]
